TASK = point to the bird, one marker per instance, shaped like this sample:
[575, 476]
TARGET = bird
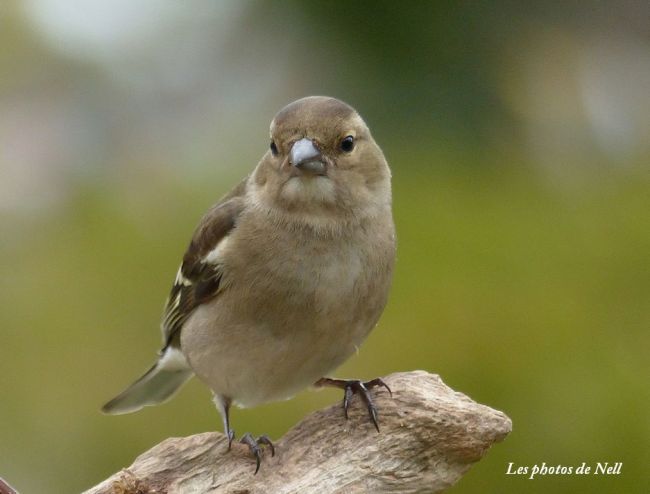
[285, 276]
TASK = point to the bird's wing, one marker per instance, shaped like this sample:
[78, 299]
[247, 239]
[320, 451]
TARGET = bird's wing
[199, 275]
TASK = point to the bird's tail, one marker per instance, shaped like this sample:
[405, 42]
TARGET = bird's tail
[157, 385]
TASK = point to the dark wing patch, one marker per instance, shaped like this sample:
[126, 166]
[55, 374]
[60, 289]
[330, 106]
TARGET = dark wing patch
[198, 279]
[186, 295]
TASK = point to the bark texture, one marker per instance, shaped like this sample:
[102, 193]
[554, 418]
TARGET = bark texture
[430, 436]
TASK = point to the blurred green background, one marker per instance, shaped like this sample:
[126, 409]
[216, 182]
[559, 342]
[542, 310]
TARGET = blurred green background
[519, 137]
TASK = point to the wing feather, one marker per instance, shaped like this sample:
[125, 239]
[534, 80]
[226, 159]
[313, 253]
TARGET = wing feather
[199, 275]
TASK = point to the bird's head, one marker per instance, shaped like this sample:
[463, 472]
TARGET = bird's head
[322, 163]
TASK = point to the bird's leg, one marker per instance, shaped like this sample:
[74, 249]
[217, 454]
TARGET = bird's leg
[223, 404]
[352, 386]
[255, 446]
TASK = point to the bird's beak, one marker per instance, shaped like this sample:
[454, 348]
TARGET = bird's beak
[306, 156]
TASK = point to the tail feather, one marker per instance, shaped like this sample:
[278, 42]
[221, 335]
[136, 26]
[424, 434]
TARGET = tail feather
[156, 386]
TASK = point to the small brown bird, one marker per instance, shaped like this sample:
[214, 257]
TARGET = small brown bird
[286, 275]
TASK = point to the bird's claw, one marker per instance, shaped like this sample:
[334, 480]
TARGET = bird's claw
[231, 438]
[352, 386]
[255, 447]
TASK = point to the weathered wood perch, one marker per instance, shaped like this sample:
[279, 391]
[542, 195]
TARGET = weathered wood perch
[430, 436]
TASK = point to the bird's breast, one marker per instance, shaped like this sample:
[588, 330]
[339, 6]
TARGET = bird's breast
[299, 278]
[291, 308]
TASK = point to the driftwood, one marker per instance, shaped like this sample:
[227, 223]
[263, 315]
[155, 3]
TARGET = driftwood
[6, 488]
[430, 436]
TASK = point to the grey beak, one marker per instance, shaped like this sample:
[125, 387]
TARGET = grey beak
[305, 156]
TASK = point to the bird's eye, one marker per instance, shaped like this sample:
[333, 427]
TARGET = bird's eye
[274, 148]
[347, 144]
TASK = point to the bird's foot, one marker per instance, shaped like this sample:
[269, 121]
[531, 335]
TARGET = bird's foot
[255, 446]
[352, 386]
[231, 437]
